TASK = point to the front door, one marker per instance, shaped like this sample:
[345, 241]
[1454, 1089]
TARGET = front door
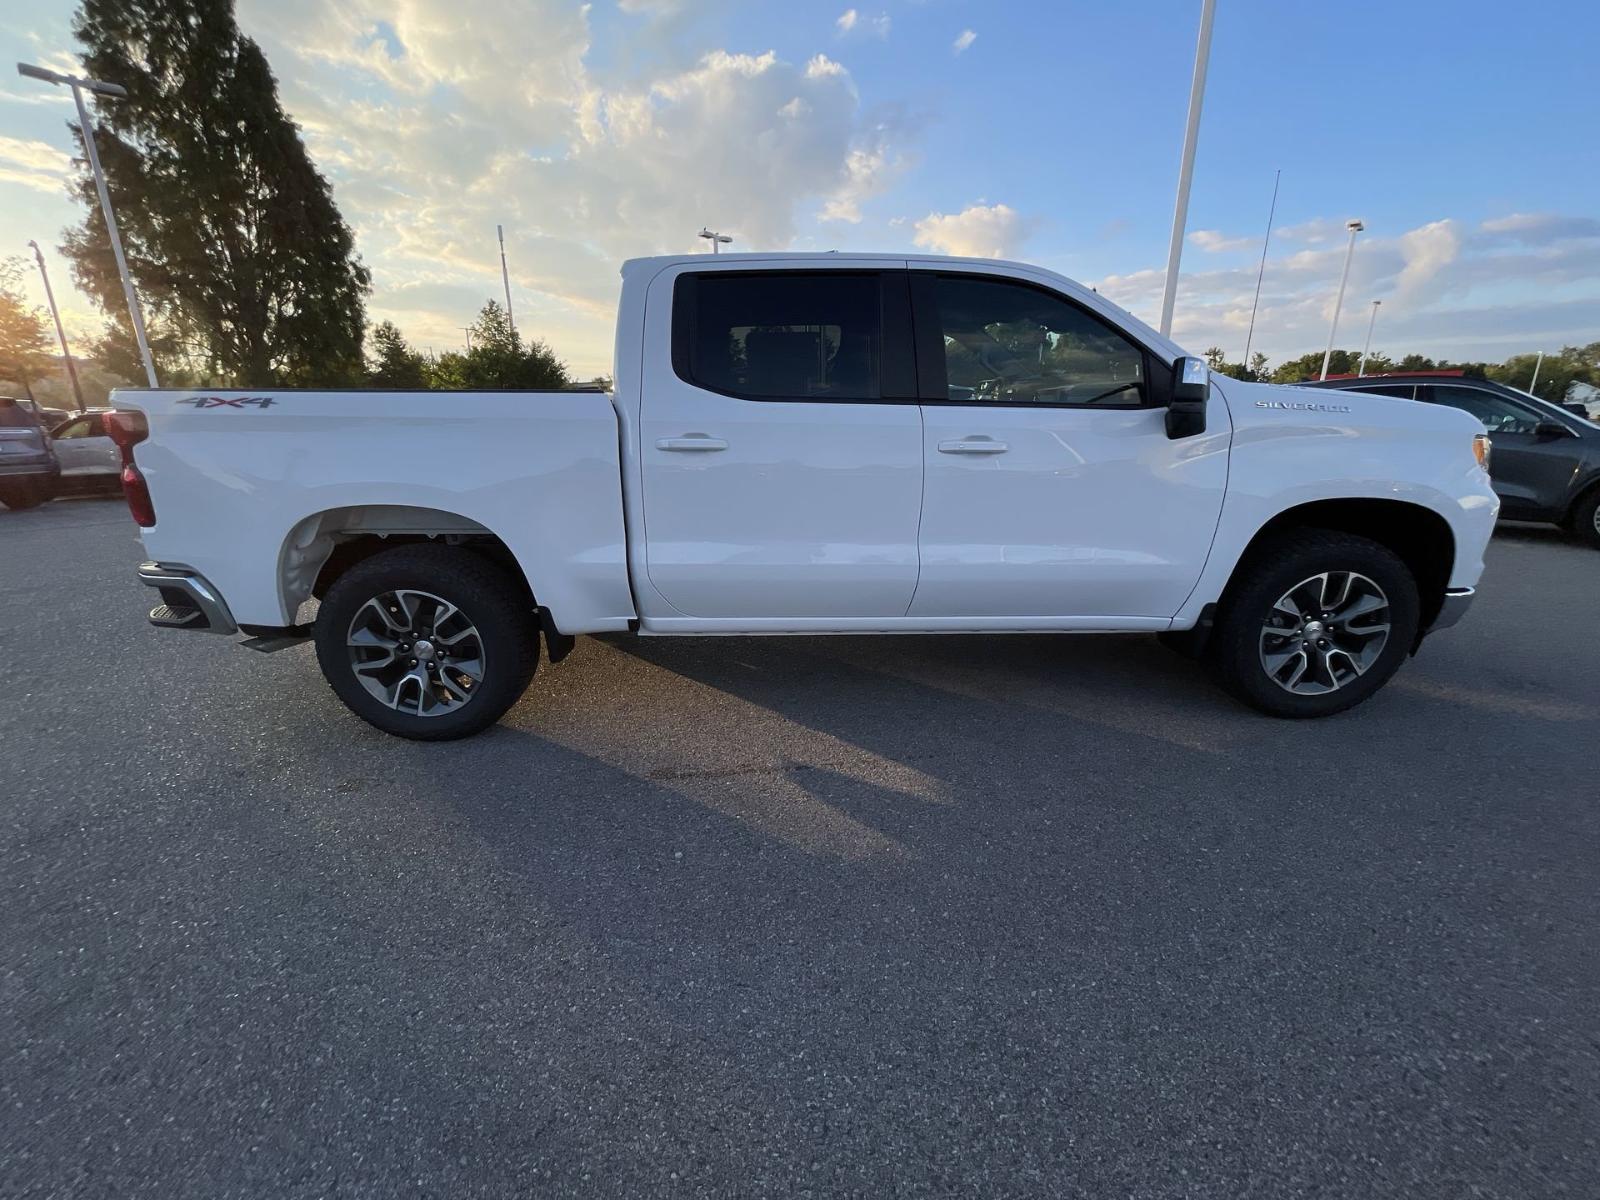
[1052, 489]
[1531, 475]
[83, 449]
[778, 481]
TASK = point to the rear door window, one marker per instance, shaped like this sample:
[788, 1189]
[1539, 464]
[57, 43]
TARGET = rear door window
[795, 335]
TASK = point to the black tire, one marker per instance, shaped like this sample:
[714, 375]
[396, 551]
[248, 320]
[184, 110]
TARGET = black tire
[1585, 518]
[24, 493]
[498, 609]
[1235, 653]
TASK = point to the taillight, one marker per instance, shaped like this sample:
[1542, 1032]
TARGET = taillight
[127, 429]
[137, 492]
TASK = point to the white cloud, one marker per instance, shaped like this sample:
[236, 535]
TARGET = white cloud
[852, 21]
[977, 231]
[1510, 284]
[34, 164]
[1214, 241]
[963, 39]
[430, 138]
[1427, 251]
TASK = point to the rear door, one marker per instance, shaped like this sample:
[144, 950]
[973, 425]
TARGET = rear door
[1052, 489]
[781, 456]
[1531, 475]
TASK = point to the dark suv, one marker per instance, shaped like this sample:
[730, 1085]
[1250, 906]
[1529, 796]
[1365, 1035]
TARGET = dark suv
[28, 467]
[1546, 460]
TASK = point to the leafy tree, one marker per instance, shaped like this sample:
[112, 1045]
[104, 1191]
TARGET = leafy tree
[24, 341]
[1258, 367]
[245, 266]
[1309, 366]
[395, 364]
[499, 359]
[1575, 364]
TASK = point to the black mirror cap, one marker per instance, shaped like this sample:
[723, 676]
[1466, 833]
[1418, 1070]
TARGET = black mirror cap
[1551, 429]
[1191, 389]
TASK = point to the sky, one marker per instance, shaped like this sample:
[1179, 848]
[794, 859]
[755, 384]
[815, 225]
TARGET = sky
[1464, 134]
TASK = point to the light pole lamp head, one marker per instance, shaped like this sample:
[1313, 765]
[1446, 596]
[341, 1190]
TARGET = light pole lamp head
[1355, 226]
[89, 85]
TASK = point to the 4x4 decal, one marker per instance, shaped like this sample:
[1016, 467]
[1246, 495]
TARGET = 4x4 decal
[228, 401]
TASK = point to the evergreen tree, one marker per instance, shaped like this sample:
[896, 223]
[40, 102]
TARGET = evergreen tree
[500, 359]
[245, 266]
[395, 363]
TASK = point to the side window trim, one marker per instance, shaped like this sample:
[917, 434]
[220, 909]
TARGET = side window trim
[897, 366]
[930, 345]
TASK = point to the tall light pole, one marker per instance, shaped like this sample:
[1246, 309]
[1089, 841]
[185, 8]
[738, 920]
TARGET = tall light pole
[505, 277]
[1262, 270]
[78, 86]
[61, 334]
[1539, 362]
[1191, 134]
[714, 238]
[1373, 320]
[1354, 227]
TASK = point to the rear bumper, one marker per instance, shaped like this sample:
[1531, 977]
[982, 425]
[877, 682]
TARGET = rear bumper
[1456, 603]
[188, 599]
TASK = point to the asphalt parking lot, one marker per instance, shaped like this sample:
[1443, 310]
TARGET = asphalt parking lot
[972, 916]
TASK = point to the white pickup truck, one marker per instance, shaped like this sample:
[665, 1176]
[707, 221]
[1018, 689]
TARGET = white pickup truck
[809, 444]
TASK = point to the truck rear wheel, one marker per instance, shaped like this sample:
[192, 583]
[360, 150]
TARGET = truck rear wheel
[427, 642]
[1314, 623]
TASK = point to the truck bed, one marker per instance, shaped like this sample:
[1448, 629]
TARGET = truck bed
[248, 484]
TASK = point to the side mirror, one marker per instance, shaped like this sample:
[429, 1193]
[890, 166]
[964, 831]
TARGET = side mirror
[1191, 388]
[1548, 430]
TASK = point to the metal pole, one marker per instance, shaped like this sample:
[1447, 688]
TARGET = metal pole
[1361, 373]
[134, 312]
[1180, 214]
[1355, 227]
[61, 334]
[505, 278]
[1261, 272]
[1537, 364]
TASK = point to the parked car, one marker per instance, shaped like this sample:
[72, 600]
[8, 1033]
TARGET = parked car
[28, 466]
[817, 444]
[90, 460]
[1546, 459]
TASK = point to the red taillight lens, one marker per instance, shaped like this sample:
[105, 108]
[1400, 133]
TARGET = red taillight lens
[138, 496]
[127, 429]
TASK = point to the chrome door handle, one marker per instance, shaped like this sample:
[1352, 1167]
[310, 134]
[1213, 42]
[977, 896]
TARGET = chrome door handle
[698, 441]
[973, 446]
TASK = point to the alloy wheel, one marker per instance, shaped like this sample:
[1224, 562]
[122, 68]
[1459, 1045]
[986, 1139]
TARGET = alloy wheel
[416, 652]
[1324, 632]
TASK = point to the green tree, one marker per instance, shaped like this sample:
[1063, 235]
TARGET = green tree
[24, 341]
[1558, 372]
[395, 364]
[499, 359]
[1258, 367]
[1309, 366]
[244, 264]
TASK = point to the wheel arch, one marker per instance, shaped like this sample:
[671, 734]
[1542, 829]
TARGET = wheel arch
[324, 545]
[1420, 536]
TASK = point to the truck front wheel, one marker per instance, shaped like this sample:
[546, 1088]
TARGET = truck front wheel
[1314, 623]
[427, 642]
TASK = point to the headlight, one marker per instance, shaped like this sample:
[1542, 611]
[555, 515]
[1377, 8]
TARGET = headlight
[1481, 448]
